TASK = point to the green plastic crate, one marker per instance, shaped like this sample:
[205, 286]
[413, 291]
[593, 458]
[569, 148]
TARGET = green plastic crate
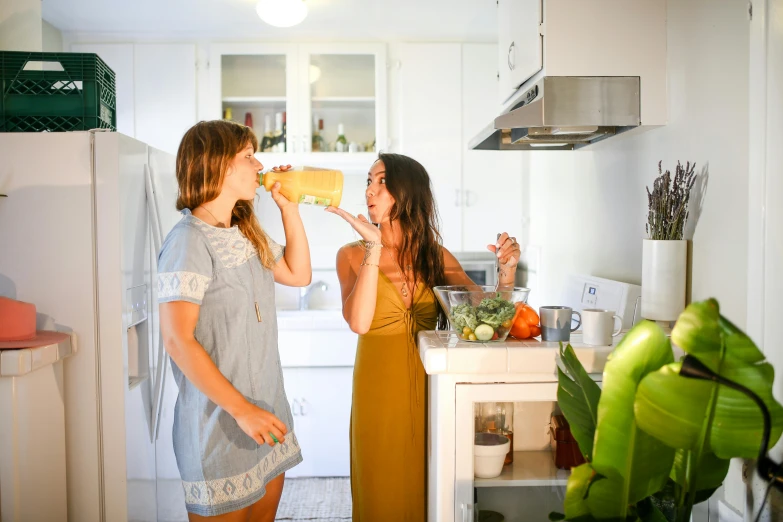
[80, 95]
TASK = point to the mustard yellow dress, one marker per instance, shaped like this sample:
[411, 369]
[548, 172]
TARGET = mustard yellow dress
[389, 410]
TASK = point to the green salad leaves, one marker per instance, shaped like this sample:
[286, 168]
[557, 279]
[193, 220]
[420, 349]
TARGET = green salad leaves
[493, 312]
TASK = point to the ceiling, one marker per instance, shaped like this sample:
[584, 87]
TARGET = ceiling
[339, 20]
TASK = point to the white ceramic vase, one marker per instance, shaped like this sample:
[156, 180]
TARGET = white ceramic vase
[664, 275]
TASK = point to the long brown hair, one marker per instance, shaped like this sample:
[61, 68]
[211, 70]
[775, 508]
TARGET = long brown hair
[203, 159]
[415, 212]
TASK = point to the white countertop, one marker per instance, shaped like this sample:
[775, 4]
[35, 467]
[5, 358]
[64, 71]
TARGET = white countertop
[14, 363]
[443, 352]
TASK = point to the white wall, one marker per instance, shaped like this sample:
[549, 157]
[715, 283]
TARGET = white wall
[52, 38]
[765, 231]
[20, 25]
[588, 208]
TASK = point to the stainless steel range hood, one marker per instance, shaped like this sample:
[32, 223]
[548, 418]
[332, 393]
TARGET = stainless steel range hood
[564, 113]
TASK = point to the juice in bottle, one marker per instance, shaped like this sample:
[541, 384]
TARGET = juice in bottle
[307, 185]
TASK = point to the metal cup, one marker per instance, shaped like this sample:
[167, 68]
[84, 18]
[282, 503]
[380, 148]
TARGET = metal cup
[556, 322]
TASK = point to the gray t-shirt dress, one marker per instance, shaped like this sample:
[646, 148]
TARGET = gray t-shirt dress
[222, 469]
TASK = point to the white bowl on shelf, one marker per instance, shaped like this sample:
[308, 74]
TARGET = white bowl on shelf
[489, 453]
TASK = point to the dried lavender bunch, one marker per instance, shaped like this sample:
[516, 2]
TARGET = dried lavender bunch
[668, 202]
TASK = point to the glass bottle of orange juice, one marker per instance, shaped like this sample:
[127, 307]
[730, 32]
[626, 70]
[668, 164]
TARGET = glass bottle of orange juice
[307, 185]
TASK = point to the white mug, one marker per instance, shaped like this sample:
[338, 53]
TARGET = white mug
[597, 326]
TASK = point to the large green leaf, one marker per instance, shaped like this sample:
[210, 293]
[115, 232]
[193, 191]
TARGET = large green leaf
[701, 329]
[708, 423]
[673, 408]
[578, 397]
[710, 472]
[575, 504]
[634, 463]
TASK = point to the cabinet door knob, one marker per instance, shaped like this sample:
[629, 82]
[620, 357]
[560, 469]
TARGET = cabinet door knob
[302, 410]
[457, 201]
[294, 404]
[511, 64]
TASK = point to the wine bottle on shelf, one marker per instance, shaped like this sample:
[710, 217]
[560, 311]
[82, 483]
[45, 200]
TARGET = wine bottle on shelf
[227, 113]
[266, 141]
[248, 120]
[283, 141]
[341, 145]
[318, 139]
[277, 135]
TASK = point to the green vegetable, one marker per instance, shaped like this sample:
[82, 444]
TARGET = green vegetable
[463, 315]
[495, 311]
[484, 332]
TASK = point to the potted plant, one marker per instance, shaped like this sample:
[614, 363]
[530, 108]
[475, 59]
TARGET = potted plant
[665, 251]
[656, 442]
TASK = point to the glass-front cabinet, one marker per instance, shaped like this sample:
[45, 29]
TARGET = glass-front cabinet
[255, 85]
[343, 97]
[323, 103]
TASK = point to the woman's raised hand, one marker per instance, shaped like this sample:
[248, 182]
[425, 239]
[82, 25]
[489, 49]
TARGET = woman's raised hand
[363, 227]
[507, 249]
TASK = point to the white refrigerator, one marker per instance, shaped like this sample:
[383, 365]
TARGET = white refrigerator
[79, 234]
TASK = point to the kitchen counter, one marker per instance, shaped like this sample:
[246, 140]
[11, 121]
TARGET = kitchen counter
[442, 352]
[461, 374]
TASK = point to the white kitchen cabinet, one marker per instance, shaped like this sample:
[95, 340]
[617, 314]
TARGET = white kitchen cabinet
[164, 93]
[521, 372]
[492, 183]
[255, 79]
[447, 94]
[343, 84]
[520, 45]
[336, 83]
[320, 399]
[529, 488]
[430, 93]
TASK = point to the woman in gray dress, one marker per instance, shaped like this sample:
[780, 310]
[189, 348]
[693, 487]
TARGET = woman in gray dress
[233, 432]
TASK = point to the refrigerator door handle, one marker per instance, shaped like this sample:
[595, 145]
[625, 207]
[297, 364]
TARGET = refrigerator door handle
[160, 375]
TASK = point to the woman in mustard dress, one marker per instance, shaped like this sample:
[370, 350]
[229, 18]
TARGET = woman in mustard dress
[386, 281]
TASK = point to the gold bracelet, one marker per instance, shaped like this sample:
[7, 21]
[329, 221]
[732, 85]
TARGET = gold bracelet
[368, 264]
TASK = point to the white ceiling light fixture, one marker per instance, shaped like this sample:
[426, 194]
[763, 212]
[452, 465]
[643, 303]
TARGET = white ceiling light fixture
[282, 13]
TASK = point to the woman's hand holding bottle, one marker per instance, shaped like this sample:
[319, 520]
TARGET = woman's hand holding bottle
[280, 200]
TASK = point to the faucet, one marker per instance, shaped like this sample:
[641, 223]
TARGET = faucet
[304, 293]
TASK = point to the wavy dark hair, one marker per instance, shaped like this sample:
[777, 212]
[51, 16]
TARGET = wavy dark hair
[416, 214]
